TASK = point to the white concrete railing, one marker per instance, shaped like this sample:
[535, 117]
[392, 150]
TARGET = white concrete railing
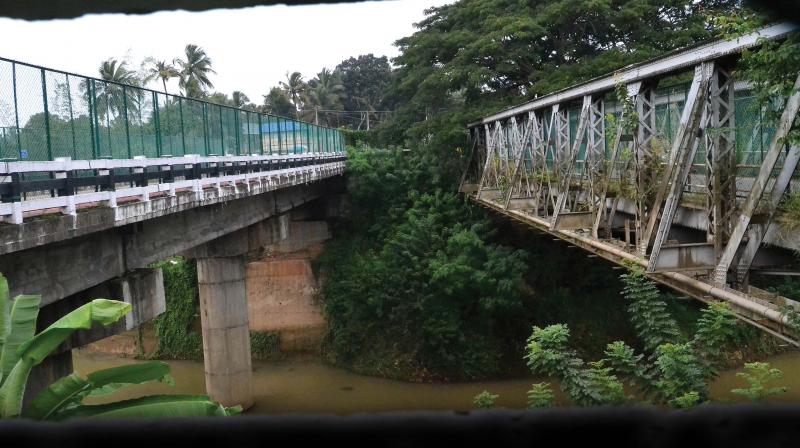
[246, 183]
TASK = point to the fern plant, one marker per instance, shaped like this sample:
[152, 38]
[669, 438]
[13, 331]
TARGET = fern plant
[547, 353]
[673, 370]
[757, 374]
[653, 323]
[540, 396]
[485, 400]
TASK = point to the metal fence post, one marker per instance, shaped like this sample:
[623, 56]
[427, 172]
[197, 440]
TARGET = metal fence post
[16, 107]
[71, 119]
[221, 132]
[93, 125]
[125, 114]
[260, 135]
[280, 140]
[159, 143]
[46, 117]
[206, 137]
[183, 130]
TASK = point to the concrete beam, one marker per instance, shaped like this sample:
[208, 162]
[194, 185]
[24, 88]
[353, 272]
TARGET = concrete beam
[521, 204]
[686, 256]
[244, 241]
[489, 194]
[573, 220]
[142, 288]
[60, 270]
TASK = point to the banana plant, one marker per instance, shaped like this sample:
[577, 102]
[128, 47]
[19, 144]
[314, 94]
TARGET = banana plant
[21, 350]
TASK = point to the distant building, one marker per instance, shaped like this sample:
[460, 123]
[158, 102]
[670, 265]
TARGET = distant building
[283, 135]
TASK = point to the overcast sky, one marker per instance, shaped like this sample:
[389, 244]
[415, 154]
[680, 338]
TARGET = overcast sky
[251, 48]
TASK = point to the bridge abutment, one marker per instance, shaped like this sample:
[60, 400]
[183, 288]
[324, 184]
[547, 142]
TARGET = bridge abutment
[226, 330]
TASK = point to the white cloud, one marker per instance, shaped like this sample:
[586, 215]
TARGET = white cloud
[251, 48]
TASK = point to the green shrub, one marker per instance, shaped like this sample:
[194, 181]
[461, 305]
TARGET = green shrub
[485, 400]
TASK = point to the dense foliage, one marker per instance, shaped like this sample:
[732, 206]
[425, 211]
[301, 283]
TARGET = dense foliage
[673, 369]
[417, 288]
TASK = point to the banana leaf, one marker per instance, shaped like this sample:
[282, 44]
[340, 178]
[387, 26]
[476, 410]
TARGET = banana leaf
[156, 406]
[3, 314]
[24, 312]
[35, 350]
[71, 390]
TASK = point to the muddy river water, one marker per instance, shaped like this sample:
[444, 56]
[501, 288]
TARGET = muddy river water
[305, 385]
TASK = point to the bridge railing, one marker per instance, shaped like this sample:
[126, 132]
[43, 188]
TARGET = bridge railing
[49, 114]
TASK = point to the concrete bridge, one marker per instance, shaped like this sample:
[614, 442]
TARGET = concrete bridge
[96, 190]
[664, 164]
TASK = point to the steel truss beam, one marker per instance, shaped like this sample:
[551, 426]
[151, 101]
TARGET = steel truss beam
[760, 184]
[534, 170]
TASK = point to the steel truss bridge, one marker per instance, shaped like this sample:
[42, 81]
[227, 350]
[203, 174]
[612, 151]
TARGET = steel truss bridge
[667, 164]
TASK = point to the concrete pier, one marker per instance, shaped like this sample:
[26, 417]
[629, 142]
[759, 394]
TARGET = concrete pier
[226, 331]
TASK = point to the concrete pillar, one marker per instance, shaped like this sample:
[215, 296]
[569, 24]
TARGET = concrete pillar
[226, 330]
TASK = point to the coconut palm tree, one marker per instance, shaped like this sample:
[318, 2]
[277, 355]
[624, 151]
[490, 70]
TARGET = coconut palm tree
[239, 99]
[159, 69]
[194, 71]
[325, 91]
[109, 94]
[294, 88]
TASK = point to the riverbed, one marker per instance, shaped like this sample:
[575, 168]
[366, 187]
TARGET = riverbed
[305, 385]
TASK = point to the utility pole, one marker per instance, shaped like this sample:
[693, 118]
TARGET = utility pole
[367, 121]
[316, 115]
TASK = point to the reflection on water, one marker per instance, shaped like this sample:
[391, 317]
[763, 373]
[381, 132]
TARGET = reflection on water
[307, 386]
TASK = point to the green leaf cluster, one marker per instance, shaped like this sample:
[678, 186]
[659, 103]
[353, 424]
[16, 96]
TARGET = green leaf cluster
[540, 396]
[673, 370]
[757, 374]
[21, 350]
[485, 400]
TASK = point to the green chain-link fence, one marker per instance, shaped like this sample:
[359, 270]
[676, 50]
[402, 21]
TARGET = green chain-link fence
[45, 114]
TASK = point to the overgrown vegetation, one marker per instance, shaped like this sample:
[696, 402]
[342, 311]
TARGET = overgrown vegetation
[178, 329]
[265, 345]
[674, 369]
[178, 335]
[416, 288]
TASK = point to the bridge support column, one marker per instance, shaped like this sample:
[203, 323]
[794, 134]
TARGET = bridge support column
[226, 330]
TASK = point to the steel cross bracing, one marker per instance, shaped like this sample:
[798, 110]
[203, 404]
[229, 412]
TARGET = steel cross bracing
[660, 194]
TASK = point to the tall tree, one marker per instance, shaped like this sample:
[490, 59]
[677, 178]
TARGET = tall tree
[277, 102]
[110, 99]
[239, 99]
[499, 52]
[325, 92]
[162, 70]
[194, 71]
[294, 87]
[365, 80]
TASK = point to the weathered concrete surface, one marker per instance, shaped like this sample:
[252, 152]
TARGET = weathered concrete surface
[141, 341]
[68, 267]
[226, 332]
[142, 288]
[282, 297]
